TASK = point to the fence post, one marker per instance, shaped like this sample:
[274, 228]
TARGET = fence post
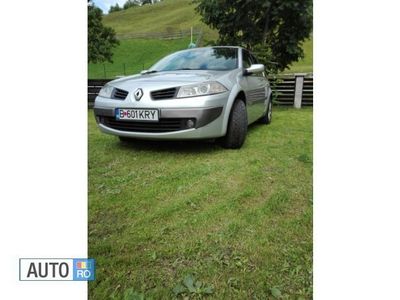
[298, 89]
[104, 68]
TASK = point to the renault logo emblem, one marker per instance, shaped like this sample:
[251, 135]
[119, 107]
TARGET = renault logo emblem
[138, 94]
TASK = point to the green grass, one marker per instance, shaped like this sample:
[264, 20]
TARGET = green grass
[163, 215]
[136, 54]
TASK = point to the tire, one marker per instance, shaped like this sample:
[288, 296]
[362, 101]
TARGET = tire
[237, 126]
[125, 139]
[267, 118]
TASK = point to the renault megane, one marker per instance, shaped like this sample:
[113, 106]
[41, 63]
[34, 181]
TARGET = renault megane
[198, 93]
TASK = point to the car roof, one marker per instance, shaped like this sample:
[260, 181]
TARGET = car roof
[236, 47]
[209, 47]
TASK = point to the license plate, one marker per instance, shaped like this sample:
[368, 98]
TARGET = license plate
[136, 114]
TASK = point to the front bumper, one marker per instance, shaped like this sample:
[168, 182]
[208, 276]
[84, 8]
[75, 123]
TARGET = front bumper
[172, 125]
[207, 112]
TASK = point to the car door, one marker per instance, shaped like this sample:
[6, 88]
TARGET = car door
[255, 88]
[262, 104]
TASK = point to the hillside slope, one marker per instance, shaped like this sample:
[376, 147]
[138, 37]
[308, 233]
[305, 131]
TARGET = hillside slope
[134, 55]
[165, 16]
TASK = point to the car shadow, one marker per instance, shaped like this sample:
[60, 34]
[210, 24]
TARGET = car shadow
[190, 146]
[195, 146]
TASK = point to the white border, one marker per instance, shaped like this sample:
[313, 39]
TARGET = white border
[356, 150]
[43, 161]
[43, 157]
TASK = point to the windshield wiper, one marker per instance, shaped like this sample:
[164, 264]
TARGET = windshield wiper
[183, 69]
[144, 72]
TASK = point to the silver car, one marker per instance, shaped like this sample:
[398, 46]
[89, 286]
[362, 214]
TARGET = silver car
[199, 93]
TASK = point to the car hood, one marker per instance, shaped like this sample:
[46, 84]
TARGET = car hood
[168, 79]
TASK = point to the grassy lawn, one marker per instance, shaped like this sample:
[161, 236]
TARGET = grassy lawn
[194, 219]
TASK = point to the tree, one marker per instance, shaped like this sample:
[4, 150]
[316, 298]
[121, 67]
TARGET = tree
[101, 39]
[130, 3]
[273, 29]
[114, 8]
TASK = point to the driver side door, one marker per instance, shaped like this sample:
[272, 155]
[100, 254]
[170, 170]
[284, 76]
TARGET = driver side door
[255, 88]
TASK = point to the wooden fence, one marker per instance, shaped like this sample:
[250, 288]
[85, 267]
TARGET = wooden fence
[293, 90]
[166, 35]
[288, 90]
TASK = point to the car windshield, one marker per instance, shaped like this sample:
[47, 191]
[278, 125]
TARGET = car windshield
[219, 59]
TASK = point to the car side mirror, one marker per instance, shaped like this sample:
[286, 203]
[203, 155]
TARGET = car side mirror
[256, 68]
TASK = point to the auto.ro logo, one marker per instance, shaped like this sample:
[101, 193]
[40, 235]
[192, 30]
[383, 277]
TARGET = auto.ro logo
[138, 94]
[56, 269]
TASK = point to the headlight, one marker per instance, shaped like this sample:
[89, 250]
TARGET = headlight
[201, 89]
[106, 91]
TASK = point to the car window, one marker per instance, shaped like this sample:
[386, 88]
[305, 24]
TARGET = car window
[247, 62]
[216, 58]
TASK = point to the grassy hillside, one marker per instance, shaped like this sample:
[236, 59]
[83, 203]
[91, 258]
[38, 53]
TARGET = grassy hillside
[136, 54]
[164, 17]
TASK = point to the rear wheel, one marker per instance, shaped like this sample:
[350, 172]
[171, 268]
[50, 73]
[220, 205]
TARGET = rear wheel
[237, 126]
[267, 118]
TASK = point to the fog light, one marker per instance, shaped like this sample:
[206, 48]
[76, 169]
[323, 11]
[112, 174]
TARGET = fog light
[190, 123]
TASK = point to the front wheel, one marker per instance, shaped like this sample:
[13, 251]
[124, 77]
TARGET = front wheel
[237, 126]
[267, 118]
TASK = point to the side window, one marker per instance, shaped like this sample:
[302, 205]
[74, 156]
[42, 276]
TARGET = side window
[246, 59]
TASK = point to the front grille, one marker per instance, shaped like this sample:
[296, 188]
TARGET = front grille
[163, 125]
[163, 94]
[119, 94]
